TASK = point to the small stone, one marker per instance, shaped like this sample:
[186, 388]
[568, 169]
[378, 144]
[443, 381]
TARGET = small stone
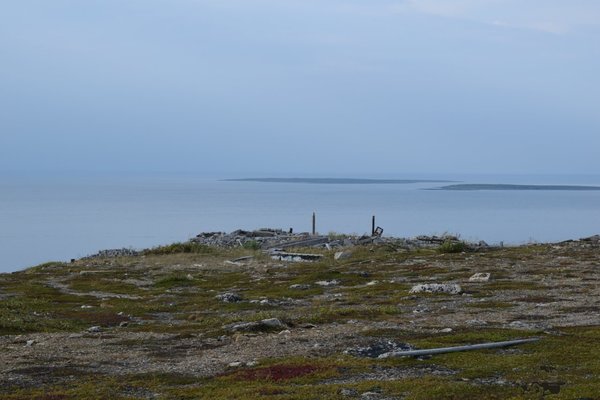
[94, 329]
[333, 282]
[29, 343]
[285, 332]
[235, 364]
[123, 324]
[372, 283]
[480, 277]
[348, 392]
[252, 363]
[370, 395]
[449, 288]
[229, 297]
[86, 306]
[299, 286]
[243, 326]
[273, 323]
[342, 255]
[308, 326]
[446, 330]
[189, 277]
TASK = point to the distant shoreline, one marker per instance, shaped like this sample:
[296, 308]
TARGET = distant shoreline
[337, 181]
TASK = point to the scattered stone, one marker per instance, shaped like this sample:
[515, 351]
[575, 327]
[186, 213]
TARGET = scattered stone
[474, 322]
[30, 343]
[257, 326]
[333, 282]
[94, 329]
[273, 323]
[370, 396]
[348, 392]
[123, 324]
[480, 277]
[295, 257]
[243, 327]
[270, 239]
[85, 307]
[446, 330]
[75, 336]
[229, 297]
[300, 286]
[378, 348]
[372, 283]
[235, 364]
[252, 363]
[449, 288]
[529, 326]
[112, 253]
[342, 255]
[308, 326]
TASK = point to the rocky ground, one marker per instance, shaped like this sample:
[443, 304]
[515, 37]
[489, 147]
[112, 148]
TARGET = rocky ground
[204, 320]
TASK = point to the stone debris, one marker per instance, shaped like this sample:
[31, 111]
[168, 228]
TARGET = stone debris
[449, 288]
[269, 324]
[299, 286]
[112, 253]
[229, 297]
[271, 239]
[235, 364]
[94, 329]
[375, 349]
[277, 240]
[480, 277]
[333, 282]
[295, 257]
[342, 255]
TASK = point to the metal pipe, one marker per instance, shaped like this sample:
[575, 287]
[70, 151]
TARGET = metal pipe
[441, 350]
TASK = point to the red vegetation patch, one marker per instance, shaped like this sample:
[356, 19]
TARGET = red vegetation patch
[276, 372]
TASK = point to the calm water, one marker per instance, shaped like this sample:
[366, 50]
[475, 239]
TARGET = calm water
[44, 219]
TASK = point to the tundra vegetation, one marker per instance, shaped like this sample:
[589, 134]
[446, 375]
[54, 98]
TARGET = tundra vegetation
[181, 322]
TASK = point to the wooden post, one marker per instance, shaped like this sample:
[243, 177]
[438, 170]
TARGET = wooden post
[314, 224]
[373, 226]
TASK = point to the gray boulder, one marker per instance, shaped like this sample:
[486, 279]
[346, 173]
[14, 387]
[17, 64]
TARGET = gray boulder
[449, 288]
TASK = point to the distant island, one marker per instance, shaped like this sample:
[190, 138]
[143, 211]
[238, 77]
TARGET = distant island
[468, 186]
[336, 181]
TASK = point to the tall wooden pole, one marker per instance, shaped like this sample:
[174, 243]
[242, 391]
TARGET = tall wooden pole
[373, 226]
[314, 224]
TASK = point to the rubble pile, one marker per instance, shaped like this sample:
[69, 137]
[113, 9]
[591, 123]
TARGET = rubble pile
[270, 239]
[275, 241]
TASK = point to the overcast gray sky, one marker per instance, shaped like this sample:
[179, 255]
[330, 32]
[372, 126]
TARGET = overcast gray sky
[259, 87]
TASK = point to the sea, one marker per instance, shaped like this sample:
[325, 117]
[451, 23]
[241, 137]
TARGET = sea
[59, 217]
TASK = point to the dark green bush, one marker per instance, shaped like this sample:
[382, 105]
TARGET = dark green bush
[450, 246]
[185, 247]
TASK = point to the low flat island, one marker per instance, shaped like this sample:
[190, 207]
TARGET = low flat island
[493, 186]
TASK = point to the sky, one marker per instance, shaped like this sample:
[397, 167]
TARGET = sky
[300, 87]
